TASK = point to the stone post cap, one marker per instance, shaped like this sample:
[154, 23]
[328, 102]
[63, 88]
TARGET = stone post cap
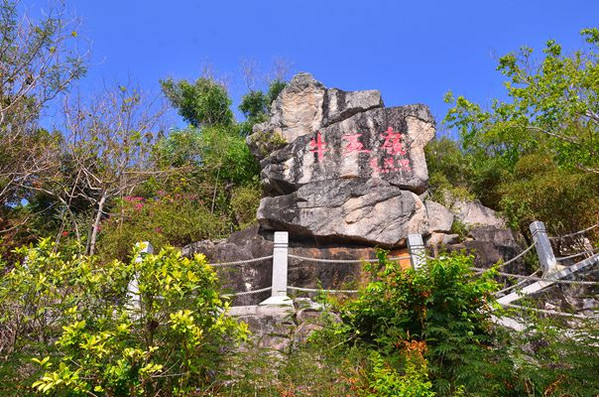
[415, 241]
[281, 238]
[537, 226]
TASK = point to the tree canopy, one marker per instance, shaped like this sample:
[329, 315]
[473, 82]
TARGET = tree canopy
[553, 103]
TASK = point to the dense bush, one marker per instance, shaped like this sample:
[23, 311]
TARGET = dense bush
[167, 219]
[441, 305]
[102, 338]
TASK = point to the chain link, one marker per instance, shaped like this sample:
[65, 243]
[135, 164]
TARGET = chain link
[588, 229]
[549, 280]
[554, 312]
[242, 262]
[248, 292]
[529, 278]
[331, 291]
[563, 258]
[323, 260]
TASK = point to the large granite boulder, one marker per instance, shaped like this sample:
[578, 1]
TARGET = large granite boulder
[344, 168]
[343, 174]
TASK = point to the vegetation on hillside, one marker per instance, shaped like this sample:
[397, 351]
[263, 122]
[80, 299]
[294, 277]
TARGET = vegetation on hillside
[75, 200]
[536, 154]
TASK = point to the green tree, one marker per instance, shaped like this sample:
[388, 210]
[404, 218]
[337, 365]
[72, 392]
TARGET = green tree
[554, 104]
[256, 105]
[440, 309]
[202, 103]
[90, 336]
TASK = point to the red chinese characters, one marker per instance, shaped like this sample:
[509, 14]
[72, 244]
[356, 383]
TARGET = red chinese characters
[393, 144]
[393, 150]
[318, 146]
[353, 144]
[390, 164]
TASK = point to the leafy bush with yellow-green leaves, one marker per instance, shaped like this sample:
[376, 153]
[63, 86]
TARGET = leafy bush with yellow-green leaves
[168, 339]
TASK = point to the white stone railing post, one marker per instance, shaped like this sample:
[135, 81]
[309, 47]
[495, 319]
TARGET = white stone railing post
[543, 247]
[133, 297]
[417, 251]
[279, 271]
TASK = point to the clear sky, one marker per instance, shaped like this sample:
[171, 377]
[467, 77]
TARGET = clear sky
[413, 51]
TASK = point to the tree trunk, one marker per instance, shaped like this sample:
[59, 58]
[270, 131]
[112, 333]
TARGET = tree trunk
[96, 225]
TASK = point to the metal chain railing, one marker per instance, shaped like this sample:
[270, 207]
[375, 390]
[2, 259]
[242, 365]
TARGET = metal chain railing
[280, 263]
[545, 311]
[588, 229]
[514, 259]
[331, 291]
[524, 281]
[343, 261]
[563, 258]
[257, 291]
[240, 262]
[534, 278]
[520, 255]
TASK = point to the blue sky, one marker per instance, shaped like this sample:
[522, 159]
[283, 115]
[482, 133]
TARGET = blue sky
[412, 51]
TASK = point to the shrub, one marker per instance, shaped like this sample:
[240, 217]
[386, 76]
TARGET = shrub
[100, 341]
[245, 201]
[167, 219]
[441, 304]
[385, 381]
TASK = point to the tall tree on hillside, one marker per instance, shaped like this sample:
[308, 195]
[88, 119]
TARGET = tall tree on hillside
[106, 155]
[554, 102]
[201, 103]
[38, 61]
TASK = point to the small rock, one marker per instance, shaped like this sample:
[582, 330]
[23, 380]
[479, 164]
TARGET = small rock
[308, 314]
[275, 342]
[302, 303]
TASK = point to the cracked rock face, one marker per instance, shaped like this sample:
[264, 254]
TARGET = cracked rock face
[346, 167]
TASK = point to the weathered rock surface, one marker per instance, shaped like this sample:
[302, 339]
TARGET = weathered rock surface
[243, 245]
[343, 174]
[473, 213]
[280, 328]
[440, 218]
[305, 273]
[492, 244]
[349, 168]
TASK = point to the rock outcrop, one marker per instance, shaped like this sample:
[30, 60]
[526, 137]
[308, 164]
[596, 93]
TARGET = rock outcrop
[343, 174]
[346, 168]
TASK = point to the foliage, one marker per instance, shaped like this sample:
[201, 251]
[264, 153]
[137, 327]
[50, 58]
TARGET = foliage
[107, 343]
[256, 105]
[385, 381]
[226, 156]
[244, 202]
[106, 156]
[540, 190]
[313, 369]
[449, 170]
[554, 106]
[32, 296]
[440, 304]
[181, 148]
[274, 89]
[39, 61]
[202, 103]
[555, 358]
[175, 219]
